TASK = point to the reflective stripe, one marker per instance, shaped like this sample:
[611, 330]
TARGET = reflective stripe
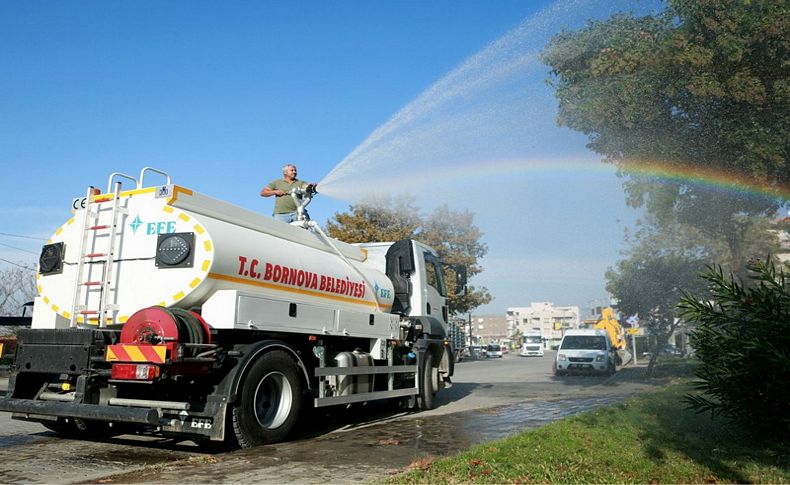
[136, 353]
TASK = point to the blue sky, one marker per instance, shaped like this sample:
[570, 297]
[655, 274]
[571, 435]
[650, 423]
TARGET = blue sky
[221, 94]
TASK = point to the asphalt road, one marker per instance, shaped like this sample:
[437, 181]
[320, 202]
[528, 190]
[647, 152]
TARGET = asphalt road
[488, 400]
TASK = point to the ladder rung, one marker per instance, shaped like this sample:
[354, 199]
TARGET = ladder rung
[96, 228]
[95, 255]
[89, 312]
[92, 283]
[103, 199]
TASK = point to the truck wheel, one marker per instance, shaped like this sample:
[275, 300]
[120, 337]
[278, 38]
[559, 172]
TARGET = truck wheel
[271, 397]
[429, 381]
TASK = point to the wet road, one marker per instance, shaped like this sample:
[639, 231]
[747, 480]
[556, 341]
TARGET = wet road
[490, 399]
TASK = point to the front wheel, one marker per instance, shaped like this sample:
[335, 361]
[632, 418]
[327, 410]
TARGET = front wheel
[271, 398]
[429, 381]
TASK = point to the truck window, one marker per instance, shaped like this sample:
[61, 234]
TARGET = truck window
[583, 342]
[433, 273]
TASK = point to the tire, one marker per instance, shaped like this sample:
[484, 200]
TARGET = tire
[429, 381]
[270, 401]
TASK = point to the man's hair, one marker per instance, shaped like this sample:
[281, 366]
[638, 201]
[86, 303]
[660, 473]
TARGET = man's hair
[287, 166]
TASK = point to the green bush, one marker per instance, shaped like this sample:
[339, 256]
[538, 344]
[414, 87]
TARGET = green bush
[742, 339]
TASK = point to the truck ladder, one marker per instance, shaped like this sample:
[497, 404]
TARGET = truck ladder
[90, 230]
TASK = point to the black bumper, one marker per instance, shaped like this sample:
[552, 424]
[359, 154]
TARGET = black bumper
[82, 411]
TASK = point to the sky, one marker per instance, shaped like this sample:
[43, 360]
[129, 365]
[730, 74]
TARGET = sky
[221, 94]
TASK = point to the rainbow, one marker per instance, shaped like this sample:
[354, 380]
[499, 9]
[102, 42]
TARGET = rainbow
[713, 179]
[710, 179]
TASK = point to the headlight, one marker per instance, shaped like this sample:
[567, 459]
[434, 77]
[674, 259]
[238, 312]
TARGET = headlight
[600, 358]
[560, 356]
[175, 250]
[51, 259]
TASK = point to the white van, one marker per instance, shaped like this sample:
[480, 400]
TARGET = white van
[585, 350]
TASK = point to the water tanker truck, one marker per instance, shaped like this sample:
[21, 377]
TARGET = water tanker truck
[163, 310]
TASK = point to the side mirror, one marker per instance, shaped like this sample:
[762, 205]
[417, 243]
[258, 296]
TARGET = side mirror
[460, 278]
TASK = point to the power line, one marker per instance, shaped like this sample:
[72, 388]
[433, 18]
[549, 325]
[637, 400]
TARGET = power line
[18, 249]
[17, 264]
[24, 237]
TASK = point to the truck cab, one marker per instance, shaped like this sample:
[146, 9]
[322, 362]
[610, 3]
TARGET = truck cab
[532, 346]
[416, 273]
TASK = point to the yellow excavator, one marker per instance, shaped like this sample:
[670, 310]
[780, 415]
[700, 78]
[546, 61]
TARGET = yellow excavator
[609, 323]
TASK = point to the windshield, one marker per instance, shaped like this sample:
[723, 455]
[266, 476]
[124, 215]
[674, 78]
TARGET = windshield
[532, 340]
[583, 342]
[494, 347]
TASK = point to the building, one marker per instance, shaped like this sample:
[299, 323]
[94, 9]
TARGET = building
[551, 321]
[489, 329]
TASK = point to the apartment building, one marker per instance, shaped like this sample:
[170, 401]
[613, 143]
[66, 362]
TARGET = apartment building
[544, 317]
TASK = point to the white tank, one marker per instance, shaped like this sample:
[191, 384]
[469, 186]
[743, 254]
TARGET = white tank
[231, 249]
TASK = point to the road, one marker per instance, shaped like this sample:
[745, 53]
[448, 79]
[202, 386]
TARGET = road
[489, 399]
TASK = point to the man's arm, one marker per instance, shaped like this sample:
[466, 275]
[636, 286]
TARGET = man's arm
[268, 192]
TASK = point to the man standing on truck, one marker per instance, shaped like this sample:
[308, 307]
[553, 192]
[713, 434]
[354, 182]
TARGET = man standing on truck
[284, 205]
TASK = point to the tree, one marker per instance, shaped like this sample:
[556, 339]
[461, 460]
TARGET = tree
[741, 339]
[17, 287]
[699, 88]
[651, 284]
[376, 219]
[452, 234]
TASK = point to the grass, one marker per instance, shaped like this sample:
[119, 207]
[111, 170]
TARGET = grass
[650, 439]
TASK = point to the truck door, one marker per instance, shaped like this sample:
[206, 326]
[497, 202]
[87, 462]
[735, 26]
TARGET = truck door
[435, 291]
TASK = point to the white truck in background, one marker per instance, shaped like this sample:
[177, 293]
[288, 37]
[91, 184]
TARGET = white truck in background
[532, 345]
[164, 310]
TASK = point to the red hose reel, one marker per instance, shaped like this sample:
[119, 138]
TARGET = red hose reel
[172, 327]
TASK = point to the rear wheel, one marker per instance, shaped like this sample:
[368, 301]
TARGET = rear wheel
[429, 381]
[271, 398]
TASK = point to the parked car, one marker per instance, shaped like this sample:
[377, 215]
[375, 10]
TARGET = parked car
[493, 350]
[585, 350]
[476, 352]
[505, 350]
